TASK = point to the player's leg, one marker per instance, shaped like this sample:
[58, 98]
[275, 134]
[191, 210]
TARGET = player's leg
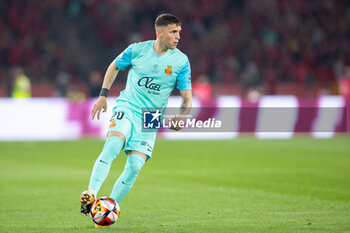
[118, 132]
[139, 148]
[133, 165]
[113, 145]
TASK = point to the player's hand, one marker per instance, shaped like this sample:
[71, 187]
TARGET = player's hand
[175, 123]
[100, 104]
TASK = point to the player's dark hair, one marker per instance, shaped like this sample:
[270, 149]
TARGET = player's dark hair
[166, 19]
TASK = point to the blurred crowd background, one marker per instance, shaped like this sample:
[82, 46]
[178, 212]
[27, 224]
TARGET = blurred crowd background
[236, 47]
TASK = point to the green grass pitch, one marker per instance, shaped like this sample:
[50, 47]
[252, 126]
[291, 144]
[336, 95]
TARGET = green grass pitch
[241, 185]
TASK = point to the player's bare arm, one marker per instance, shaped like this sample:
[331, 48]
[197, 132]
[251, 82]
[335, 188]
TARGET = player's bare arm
[185, 109]
[101, 103]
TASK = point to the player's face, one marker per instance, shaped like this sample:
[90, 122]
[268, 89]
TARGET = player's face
[170, 35]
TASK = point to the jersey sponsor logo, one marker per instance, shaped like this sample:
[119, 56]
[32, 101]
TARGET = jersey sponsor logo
[168, 70]
[149, 84]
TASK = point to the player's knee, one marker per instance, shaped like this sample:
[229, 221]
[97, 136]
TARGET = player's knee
[135, 163]
[111, 149]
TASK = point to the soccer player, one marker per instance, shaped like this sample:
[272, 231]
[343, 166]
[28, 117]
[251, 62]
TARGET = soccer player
[156, 67]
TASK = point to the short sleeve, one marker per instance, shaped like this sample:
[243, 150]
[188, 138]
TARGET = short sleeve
[124, 59]
[184, 78]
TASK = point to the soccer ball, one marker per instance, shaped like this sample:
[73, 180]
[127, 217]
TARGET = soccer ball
[105, 211]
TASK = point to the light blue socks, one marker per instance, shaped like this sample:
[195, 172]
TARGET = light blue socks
[133, 166]
[103, 163]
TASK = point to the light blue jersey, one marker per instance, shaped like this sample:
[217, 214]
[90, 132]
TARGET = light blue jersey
[152, 78]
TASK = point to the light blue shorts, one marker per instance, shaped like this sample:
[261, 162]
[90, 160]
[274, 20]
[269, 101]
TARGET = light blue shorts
[130, 124]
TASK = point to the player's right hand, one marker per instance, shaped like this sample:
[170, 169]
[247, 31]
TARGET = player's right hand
[175, 123]
[100, 104]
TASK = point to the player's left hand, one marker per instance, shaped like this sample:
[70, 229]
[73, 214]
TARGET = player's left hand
[175, 123]
[100, 104]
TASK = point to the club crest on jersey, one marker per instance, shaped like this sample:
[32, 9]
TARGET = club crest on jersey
[168, 70]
